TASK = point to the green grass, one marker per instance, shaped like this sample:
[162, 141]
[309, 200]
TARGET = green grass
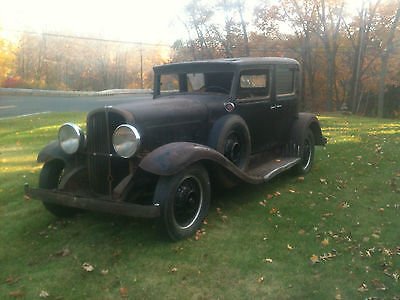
[348, 206]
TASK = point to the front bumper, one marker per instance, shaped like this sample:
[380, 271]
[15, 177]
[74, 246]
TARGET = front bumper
[113, 207]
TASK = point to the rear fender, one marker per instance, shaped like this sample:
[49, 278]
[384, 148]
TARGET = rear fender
[300, 126]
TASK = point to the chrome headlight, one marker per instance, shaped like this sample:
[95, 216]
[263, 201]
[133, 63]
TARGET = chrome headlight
[71, 138]
[126, 140]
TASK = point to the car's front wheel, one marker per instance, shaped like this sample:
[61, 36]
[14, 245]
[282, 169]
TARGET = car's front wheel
[184, 199]
[49, 179]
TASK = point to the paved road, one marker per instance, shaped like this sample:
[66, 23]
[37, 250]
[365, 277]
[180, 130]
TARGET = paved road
[16, 105]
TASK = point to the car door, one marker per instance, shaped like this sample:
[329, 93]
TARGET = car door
[284, 100]
[253, 101]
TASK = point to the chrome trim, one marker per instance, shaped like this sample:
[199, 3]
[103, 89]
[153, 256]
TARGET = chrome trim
[135, 133]
[78, 131]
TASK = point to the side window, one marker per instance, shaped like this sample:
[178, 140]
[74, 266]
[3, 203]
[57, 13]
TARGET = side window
[284, 80]
[253, 84]
[169, 83]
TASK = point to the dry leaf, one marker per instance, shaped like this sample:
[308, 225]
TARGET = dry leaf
[123, 291]
[300, 178]
[363, 288]
[325, 242]
[174, 269]
[277, 193]
[26, 197]
[292, 191]
[87, 267]
[11, 280]
[63, 252]
[43, 294]
[104, 271]
[269, 196]
[314, 259]
[224, 218]
[268, 260]
[18, 293]
[261, 279]
[290, 247]
[374, 235]
[301, 231]
[273, 210]
[323, 180]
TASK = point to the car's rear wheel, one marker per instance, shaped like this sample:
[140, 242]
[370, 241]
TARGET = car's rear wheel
[49, 179]
[184, 199]
[306, 154]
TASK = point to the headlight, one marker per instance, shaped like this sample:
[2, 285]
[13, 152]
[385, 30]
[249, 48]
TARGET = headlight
[126, 140]
[71, 138]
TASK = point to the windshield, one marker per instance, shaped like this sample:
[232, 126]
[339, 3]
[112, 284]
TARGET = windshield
[213, 82]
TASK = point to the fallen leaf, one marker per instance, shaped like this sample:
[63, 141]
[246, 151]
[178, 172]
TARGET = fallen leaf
[174, 269]
[301, 231]
[261, 279]
[18, 293]
[87, 267]
[270, 196]
[323, 180]
[268, 260]
[26, 197]
[11, 280]
[219, 211]
[375, 236]
[43, 294]
[325, 242]
[381, 209]
[363, 288]
[277, 193]
[224, 218]
[104, 271]
[273, 210]
[300, 178]
[314, 259]
[290, 247]
[63, 252]
[123, 291]
[292, 191]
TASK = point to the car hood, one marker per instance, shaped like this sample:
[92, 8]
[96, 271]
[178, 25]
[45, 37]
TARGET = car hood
[166, 111]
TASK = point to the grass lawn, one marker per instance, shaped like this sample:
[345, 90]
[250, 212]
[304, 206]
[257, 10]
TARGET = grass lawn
[334, 234]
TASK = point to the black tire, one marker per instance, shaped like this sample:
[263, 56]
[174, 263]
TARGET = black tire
[231, 137]
[49, 179]
[184, 199]
[307, 154]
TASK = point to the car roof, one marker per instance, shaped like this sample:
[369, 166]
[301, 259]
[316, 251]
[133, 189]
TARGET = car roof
[223, 64]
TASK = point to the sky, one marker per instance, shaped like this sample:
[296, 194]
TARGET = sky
[146, 21]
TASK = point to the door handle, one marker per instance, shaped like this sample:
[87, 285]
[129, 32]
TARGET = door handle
[275, 106]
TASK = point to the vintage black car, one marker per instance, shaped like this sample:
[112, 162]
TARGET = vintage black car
[210, 122]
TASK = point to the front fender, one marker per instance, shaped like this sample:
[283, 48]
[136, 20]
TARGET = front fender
[174, 157]
[53, 151]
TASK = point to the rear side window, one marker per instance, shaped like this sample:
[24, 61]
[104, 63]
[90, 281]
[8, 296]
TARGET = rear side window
[253, 84]
[284, 80]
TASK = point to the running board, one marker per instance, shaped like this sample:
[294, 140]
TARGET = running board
[273, 167]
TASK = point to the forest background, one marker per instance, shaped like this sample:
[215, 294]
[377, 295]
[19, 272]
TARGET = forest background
[350, 57]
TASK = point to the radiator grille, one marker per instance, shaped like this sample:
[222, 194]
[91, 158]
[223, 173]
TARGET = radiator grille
[104, 171]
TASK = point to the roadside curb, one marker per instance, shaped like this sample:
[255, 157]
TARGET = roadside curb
[12, 91]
